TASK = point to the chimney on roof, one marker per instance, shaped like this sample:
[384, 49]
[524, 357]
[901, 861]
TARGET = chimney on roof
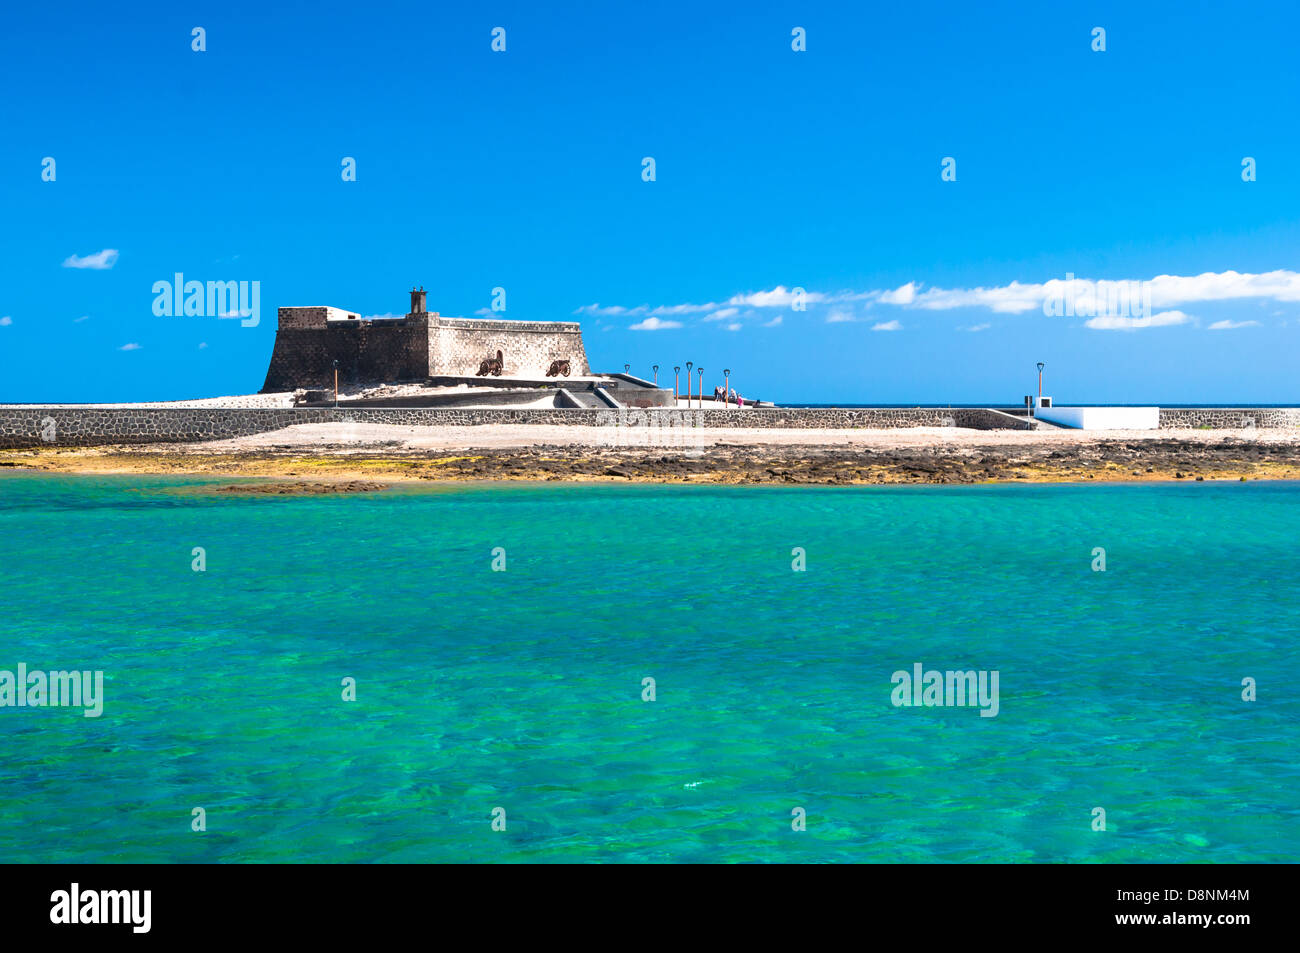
[417, 301]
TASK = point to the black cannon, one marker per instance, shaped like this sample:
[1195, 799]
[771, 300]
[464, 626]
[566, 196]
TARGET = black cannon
[491, 366]
[557, 368]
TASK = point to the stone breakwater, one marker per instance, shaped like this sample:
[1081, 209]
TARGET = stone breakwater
[37, 425]
[1229, 418]
[88, 426]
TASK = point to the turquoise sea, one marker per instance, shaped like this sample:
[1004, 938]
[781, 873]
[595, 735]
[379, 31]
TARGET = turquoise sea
[522, 689]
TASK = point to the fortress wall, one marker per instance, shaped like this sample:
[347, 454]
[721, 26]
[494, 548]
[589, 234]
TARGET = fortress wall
[307, 344]
[387, 350]
[316, 317]
[458, 346]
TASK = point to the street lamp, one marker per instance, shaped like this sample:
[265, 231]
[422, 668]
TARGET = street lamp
[726, 393]
[689, 365]
[677, 369]
[701, 370]
[627, 368]
[336, 384]
[655, 368]
[1041, 365]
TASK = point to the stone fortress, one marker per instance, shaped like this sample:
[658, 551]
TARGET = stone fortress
[419, 347]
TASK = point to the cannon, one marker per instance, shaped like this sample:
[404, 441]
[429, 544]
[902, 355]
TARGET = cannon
[491, 366]
[557, 368]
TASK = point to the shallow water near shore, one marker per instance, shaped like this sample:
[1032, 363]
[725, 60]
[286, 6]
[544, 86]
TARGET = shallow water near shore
[522, 689]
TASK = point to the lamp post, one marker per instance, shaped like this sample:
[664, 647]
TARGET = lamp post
[655, 368]
[689, 365]
[677, 369]
[1041, 365]
[726, 392]
[701, 370]
[336, 384]
[627, 368]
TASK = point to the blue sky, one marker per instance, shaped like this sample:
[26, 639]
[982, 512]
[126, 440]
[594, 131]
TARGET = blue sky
[775, 170]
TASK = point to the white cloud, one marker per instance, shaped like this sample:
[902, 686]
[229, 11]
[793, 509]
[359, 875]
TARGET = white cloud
[1165, 295]
[654, 324]
[596, 309]
[129, 347]
[887, 326]
[681, 308]
[904, 294]
[778, 297]
[202, 345]
[734, 326]
[1014, 298]
[6, 321]
[364, 317]
[1168, 290]
[84, 317]
[723, 314]
[615, 310]
[1229, 325]
[977, 327]
[1113, 322]
[99, 261]
[773, 323]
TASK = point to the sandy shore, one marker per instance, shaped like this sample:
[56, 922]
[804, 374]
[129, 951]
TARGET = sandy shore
[331, 453]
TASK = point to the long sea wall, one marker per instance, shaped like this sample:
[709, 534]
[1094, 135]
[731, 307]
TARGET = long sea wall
[1229, 418]
[36, 425]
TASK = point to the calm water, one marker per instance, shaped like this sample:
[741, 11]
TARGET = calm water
[522, 689]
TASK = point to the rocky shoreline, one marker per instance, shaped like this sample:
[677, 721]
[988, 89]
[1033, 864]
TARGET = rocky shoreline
[329, 468]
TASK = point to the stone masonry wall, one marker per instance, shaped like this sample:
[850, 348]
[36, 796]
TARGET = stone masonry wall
[1229, 418]
[34, 426]
[367, 351]
[63, 426]
[457, 346]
